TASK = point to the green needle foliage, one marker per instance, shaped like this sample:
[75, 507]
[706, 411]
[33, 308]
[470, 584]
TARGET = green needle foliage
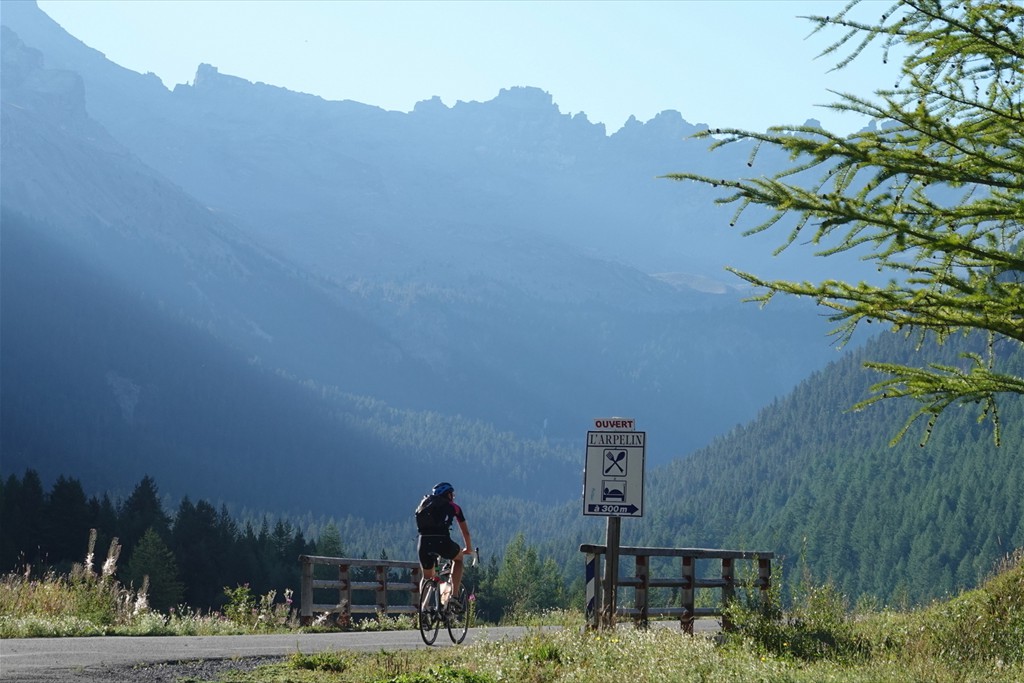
[934, 196]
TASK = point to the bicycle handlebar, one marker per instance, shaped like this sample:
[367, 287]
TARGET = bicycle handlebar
[444, 564]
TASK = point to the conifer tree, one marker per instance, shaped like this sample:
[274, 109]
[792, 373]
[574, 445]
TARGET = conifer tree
[525, 583]
[202, 553]
[935, 195]
[328, 545]
[329, 542]
[141, 511]
[24, 504]
[66, 520]
[154, 559]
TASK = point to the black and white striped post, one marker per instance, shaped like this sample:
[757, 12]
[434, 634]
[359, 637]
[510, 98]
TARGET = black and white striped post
[593, 589]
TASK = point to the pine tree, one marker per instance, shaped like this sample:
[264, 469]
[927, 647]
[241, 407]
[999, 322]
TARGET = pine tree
[329, 542]
[525, 584]
[154, 559]
[201, 553]
[66, 521]
[935, 195]
[141, 511]
[22, 524]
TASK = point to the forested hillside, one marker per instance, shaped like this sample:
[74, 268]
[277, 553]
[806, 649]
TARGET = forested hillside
[100, 386]
[195, 555]
[820, 485]
[808, 479]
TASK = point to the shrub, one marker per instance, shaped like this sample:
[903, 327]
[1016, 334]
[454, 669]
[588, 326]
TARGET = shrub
[259, 614]
[80, 603]
[817, 626]
[982, 625]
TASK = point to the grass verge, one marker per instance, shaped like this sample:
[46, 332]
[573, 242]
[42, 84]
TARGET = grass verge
[976, 636]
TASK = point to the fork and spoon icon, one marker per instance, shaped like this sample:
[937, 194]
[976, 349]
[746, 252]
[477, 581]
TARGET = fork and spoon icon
[615, 459]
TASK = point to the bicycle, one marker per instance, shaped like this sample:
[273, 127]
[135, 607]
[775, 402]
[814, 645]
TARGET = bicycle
[434, 610]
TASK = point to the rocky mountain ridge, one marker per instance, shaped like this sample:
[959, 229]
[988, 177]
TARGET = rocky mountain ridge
[456, 261]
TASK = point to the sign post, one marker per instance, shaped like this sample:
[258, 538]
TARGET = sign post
[613, 487]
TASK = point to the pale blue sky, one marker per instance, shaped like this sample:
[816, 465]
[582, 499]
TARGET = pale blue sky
[745, 63]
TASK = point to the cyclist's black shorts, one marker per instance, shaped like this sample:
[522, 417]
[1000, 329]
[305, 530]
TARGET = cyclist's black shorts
[428, 545]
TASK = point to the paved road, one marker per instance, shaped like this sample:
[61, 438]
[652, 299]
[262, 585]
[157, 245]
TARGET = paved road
[109, 659]
[45, 659]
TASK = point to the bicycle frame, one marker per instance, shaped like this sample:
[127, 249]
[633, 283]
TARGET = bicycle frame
[434, 610]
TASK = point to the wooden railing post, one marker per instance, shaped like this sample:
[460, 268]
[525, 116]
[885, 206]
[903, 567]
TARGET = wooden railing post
[344, 595]
[642, 594]
[728, 591]
[306, 593]
[686, 594]
[382, 589]
[415, 577]
[764, 575]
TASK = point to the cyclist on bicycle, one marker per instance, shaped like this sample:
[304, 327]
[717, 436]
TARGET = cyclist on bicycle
[433, 521]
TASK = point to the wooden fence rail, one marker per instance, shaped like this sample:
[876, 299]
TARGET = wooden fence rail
[381, 586]
[602, 609]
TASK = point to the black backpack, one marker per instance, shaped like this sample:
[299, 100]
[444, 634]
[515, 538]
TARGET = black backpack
[432, 514]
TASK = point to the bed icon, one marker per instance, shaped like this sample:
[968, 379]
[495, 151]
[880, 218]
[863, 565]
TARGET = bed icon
[614, 490]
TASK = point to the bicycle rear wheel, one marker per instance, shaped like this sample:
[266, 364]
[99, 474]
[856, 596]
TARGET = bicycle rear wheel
[429, 618]
[458, 616]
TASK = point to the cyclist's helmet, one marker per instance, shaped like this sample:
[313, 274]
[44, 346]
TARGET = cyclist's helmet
[442, 488]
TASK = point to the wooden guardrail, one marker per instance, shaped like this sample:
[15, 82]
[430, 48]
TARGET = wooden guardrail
[380, 586]
[602, 609]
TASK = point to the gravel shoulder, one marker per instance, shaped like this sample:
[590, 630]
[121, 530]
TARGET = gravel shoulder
[158, 672]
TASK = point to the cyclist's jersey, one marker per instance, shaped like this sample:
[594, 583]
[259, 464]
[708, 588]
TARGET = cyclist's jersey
[452, 512]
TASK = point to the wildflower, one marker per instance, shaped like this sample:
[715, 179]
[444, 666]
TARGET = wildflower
[141, 598]
[110, 565]
[90, 554]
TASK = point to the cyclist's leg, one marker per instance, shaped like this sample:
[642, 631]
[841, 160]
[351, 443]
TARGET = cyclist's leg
[426, 549]
[453, 552]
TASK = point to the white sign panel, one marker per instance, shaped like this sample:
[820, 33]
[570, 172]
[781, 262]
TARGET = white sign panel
[613, 480]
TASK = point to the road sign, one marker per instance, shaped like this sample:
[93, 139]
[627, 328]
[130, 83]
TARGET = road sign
[613, 479]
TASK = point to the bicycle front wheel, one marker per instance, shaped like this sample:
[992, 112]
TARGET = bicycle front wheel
[459, 615]
[428, 617]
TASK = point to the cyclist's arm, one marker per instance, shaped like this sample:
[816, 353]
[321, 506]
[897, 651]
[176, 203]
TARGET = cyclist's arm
[468, 548]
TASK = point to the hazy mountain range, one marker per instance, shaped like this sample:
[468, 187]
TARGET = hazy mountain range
[500, 263]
